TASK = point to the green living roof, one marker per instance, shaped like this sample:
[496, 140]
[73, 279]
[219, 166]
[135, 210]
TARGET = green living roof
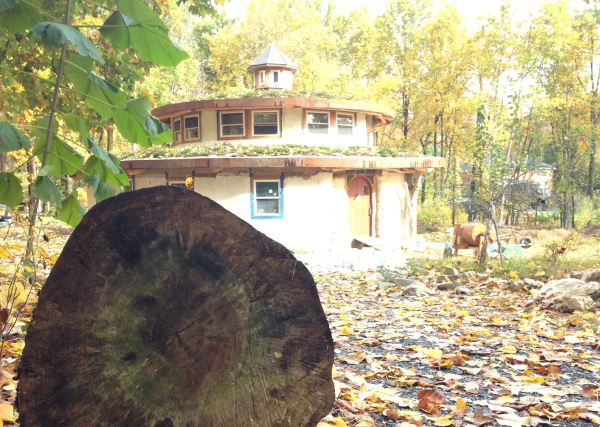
[239, 150]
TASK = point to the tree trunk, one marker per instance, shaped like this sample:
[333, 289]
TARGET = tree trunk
[165, 309]
[109, 138]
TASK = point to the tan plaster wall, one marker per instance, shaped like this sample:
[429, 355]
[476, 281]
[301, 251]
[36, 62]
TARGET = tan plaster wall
[396, 212]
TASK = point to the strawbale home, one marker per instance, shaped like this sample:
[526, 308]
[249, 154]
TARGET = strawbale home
[301, 200]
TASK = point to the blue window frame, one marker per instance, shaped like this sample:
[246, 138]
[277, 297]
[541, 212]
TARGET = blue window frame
[266, 198]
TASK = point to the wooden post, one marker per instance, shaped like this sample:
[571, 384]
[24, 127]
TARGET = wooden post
[165, 309]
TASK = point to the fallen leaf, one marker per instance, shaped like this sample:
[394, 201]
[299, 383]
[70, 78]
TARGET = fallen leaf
[430, 401]
[6, 412]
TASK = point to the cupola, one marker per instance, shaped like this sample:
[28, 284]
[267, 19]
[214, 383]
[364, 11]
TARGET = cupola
[272, 69]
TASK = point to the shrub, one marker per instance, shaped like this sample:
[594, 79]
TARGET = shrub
[434, 215]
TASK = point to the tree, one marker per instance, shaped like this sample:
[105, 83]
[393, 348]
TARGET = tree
[54, 132]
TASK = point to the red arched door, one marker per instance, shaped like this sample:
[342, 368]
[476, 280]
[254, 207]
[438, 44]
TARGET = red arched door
[360, 206]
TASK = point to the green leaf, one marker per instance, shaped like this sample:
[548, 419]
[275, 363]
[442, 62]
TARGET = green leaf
[11, 192]
[53, 34]
[45, 190]
[11, 139]
[78, 124]
[136, 26]
[102, 155]
[102, 190]
[99, 94]
[17, 16]
[137, 125]
[62, 159]
[96, 167]
[71, 211]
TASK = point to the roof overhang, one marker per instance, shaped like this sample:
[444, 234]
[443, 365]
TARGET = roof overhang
[290, 163]
[384, 114]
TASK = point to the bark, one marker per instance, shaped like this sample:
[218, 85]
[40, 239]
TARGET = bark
[109, 138]
[165, 309]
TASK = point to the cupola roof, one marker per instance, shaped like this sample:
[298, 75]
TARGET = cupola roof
[272, 56]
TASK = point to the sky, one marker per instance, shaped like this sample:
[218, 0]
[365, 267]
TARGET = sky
[472, 10]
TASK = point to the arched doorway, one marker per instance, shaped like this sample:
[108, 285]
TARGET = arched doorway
[360, 206]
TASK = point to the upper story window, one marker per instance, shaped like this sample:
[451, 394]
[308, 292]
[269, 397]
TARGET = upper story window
[317, 122]
[176, 127]
[275, 77]
[232, 123]
[345, 124]
[192, 127]
[265, 123]
[261, 78]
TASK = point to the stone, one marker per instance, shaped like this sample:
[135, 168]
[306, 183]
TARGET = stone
[419, 270]
[569, 304]
[442, 279]
[532, 283]
[450, 271]
[567, 295]
[448, 286]
[591, 275]
[384, 286]
[397, 278]
[463, 290]
[374, 278]
[417, 289]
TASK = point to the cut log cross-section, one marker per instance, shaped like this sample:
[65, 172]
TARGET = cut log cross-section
[165, 309]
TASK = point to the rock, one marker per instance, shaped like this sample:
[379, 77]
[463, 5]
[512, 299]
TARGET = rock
[533, 284]
[374, 278]
[397, 278]
[463, 290]
[591, 276]
[442, 279]
[569, 304]
[384, 286]
[419, 270]
[450, 271]
[448, 286]
[576, 275]
[417, 289]
[567, 295]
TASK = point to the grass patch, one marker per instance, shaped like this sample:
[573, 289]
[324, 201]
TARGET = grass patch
[553, 258]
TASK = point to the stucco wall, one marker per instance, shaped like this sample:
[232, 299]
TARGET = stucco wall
[313, 215]
[315, 208]
[292, 131]
[396, 212]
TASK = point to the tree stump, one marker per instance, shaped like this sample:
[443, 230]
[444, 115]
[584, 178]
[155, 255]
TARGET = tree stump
[164, 309]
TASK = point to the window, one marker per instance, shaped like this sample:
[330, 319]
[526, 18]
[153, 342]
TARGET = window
[318, 122]
[261, 78]
[275, 77]
[267, 197]
[265, 123]
[345, 124]
[232, 123]
[192, 127]
[176, 127]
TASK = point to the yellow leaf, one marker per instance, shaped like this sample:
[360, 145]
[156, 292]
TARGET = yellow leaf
[12, 295]
[461, 407]
[346, 331]
[6, 412]
[508, 349]
[442, 421]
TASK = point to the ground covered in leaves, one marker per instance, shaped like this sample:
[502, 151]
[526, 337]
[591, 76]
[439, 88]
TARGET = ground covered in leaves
[477, 355]
[441, 359]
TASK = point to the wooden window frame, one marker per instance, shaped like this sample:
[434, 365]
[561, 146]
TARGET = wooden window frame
[278, 121]
[198, 138]
[318, 112]
[180, 139]
[220, 124]
[337, 125]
